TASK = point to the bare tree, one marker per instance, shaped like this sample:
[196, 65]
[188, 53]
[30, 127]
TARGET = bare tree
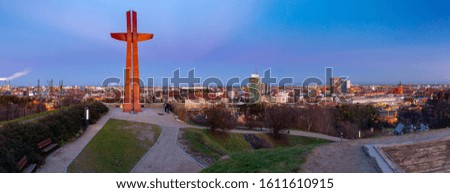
[307, 117]
[179, 110]
[279, 118]
[218, 117]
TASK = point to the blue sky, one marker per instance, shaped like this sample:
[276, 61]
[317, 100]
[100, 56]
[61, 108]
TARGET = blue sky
[376, 41]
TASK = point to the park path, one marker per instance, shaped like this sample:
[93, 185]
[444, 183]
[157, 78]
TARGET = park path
[164, 156]
[294, 132]
[58, 161]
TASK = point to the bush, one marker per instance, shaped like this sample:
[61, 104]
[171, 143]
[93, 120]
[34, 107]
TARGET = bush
[20, 139]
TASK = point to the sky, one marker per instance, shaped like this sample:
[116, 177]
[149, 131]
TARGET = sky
[372, 41]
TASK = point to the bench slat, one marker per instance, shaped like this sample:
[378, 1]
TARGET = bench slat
[30, 168]
[49, 147]
[44, 143]
[22, 163]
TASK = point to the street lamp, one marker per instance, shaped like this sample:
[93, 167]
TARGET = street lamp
[86, 110]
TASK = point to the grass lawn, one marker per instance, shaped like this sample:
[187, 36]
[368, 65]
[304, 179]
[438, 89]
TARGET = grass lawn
[277, 160]
[215, 145]
[116, 148]
[287, 154]
[292, 140]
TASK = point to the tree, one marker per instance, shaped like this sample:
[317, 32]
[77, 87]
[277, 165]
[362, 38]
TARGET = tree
[355, 117]
[217, 117]
[279, 118]
[325, 121]
[308, 116]
[437, 110]
[409, 116]
[254, 115]
[179, 110]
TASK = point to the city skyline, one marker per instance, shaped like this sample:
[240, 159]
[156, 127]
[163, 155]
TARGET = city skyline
[371, 42]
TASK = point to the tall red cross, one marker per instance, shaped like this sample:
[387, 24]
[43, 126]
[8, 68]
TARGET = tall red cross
[131, 100]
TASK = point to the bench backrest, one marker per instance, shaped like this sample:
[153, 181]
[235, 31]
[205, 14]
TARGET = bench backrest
[2, 139]
[22, 163]
[45, 143]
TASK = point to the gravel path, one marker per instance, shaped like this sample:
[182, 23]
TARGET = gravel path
[348, 156]
[164, 156]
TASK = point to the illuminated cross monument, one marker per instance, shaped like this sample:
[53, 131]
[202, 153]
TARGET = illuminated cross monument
[132, 82]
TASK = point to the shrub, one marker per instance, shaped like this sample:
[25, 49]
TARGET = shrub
[20, 139]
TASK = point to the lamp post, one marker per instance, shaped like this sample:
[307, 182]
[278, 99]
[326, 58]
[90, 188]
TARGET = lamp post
[86, 111]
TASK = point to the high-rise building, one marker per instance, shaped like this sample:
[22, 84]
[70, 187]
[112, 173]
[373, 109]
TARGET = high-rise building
[335, 85]
[265, 89]
[346, 85]
[254, 88]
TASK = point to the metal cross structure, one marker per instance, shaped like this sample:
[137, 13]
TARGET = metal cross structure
[131, 102]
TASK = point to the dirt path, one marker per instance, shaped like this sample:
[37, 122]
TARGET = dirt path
[348, 156]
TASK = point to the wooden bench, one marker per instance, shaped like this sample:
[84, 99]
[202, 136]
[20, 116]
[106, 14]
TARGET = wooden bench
[46, 145]
[2, 141]
[24, 167]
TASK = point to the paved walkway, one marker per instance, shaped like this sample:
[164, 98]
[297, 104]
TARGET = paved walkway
[291, 132]
[58, 161]
[164, 156]
[316, 135]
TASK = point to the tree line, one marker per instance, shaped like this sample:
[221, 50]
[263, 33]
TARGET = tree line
[14, 107]
[345, 119]
[435, 113]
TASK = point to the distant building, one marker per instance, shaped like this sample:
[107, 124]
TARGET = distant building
[231, 95]
[254, 88]
[195, 103]
[282, 97]
[265, 89]
[384, 100]
[339, 85]
[336, 85]
[346, 85]
[400, 88]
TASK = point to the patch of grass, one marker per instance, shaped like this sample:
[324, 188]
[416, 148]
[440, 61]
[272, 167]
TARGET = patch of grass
[300, 140]
[117, 147]
[215, 145]
[278, 160]
[232, 142]
[290, 140]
